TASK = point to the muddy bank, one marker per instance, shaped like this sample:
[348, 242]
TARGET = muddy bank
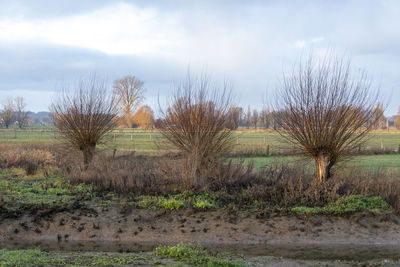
[114, 229]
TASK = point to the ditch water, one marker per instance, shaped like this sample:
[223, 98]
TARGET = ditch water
[291, 251]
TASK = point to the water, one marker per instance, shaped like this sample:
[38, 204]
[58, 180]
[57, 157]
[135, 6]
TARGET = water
[291, 251]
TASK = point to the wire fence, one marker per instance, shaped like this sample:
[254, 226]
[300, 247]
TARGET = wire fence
[147, 139]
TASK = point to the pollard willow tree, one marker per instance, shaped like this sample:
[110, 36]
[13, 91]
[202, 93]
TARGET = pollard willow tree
[85, 115]
[327, 111]
[195, 124]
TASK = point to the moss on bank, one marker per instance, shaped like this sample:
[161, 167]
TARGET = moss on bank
[161, 256]
[348, 204]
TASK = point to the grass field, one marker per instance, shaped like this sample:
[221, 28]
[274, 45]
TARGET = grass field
[149, 142]
[387, 162]
[146, 140]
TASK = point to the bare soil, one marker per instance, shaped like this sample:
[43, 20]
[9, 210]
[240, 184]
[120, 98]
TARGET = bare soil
[219, 229]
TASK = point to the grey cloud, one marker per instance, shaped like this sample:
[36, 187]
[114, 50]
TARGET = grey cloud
[260, 35]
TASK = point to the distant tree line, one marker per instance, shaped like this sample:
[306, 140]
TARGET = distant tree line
[13, 113]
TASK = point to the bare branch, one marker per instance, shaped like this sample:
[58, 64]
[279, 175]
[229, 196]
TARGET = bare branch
[129, 93]
[84, 116]
[195, 123]
[326, 111]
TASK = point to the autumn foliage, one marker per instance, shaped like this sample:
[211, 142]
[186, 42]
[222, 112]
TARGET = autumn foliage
[144, 117]
[397, 122]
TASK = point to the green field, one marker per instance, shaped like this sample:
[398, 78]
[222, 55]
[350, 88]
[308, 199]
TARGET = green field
[145, 141]
[372, 163]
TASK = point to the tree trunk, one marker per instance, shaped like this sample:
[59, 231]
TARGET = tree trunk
[323, 167]
[88, 153]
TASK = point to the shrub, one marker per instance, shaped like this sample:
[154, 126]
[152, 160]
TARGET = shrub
[195, 125]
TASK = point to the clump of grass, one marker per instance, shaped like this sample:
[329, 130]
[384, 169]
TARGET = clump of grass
[348, 204]
[36, 257]
[195, 255]
[174, 202]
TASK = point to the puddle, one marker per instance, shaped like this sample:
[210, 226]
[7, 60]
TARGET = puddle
[293, 251]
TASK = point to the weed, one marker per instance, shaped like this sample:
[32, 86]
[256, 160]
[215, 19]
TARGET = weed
[195, 255]
[170, 203]
[348, 204]
[177, 201]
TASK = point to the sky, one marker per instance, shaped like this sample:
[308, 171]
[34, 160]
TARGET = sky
[44, 44]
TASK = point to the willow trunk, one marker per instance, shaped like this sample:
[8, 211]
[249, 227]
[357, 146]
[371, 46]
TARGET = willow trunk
[323, 167]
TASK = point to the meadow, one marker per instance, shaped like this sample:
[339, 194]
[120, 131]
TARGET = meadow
[260, 147]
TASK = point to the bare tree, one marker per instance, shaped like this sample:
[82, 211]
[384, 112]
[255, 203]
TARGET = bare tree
[130, 94]
[7, 114]
[234, 117]
[326, 112]
[248, 117]
[84, 116]
[379, 117]
[21, 116]
[195, 124]
[255, 118]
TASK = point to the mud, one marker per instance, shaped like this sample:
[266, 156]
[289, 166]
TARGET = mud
[319, 237]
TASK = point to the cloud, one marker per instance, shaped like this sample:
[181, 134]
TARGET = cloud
[121, 30]
[249, 43]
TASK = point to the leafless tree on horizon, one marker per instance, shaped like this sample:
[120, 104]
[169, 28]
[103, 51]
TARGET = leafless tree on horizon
[129, 93]
[7, 113]
[21, 116]
[326, 111]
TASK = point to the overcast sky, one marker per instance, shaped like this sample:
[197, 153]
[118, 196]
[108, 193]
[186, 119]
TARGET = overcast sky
[250, 43]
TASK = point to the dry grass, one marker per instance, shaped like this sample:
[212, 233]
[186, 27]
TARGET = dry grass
[241, 184]
[30, 158]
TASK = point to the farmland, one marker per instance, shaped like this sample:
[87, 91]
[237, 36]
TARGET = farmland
[146, 140]
[249, 145]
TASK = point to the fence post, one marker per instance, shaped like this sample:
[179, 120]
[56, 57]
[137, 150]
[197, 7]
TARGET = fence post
[115, 137]
[381, 145]
[268, 150]
[237, 140]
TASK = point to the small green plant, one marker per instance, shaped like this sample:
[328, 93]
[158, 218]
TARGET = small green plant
[204, 203]
[175, 202]
[170, 203]
[348, 204]
[195, 255]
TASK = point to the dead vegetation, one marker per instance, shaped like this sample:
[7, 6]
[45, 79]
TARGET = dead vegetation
[195, 124]
[276, 186]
